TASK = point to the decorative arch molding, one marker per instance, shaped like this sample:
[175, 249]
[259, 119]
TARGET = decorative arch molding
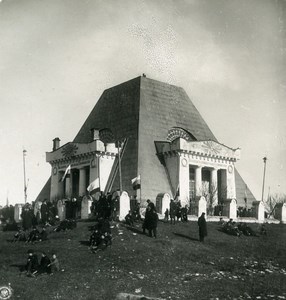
[106, 136]
[178, 132]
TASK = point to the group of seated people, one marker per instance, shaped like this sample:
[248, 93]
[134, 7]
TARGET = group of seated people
[30, 236]
[64, 225]
[240, 229]
[46, 264]
[39, 235]
[101, 236]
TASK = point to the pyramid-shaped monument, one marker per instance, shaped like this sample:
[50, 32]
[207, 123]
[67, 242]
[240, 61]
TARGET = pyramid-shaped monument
[146, 113]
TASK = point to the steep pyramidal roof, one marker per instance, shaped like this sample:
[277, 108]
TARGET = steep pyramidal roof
[242, 191]
[143, 110]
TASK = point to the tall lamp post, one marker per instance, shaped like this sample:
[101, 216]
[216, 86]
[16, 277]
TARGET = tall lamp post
[264, 160]
[25, 184]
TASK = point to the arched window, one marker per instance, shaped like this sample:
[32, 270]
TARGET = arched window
[177, 132]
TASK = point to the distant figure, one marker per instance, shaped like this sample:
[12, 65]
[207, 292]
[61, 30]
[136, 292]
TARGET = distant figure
[43, 236]
[262, 229]
[166, 213]
[151, 221]
[221, 221]
[33, 236]
[173, 209]
[19, 236]
[44, 212]
[184, 212]
[150, 205]
[129, 219]
[32, 263]
[55, 265]
[137, 215]
[45, 264]
[202, 223]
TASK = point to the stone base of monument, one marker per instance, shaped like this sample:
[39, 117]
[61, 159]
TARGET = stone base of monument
[127, 296]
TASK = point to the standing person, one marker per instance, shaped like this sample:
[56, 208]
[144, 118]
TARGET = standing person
[202, 223]
[184, 212]
[152, 221]
[26, 217]
[115, 208]
[166, 213]
[147, 212]
[173, 208]
[44, 212]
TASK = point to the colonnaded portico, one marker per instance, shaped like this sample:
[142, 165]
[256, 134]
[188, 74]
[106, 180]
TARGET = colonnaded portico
[199, 168]
[83, 163]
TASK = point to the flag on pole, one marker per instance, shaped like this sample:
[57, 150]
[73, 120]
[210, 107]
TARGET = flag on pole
[67, 173]
[245, 196]
[136, 182]
[177, 192]
[94, 186]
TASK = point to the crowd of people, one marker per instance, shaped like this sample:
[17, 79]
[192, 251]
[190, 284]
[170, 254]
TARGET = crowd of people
[104, 211]
[176, 212]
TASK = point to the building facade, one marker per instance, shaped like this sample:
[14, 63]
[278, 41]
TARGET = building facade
[152, 129]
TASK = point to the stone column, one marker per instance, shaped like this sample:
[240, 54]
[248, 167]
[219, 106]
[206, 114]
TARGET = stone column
[68, 187]
[56, 184]
[183, 180]
[213, 187]
[82, 182]
[61, 186]
[230, 178]
[198, 179]
[94, 169]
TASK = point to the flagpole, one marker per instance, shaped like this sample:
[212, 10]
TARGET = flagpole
[25, 185]
[264, 160]
[140, 191]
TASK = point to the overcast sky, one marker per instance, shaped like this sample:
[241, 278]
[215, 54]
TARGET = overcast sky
[58, 56]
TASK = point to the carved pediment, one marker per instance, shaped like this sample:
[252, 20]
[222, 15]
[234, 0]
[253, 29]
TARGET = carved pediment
[69, 150]
[212, 148]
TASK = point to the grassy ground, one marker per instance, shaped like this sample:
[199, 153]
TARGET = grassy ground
[173, 266]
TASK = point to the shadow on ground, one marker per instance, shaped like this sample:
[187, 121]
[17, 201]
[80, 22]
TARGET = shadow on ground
[84, 243]
[186, 236]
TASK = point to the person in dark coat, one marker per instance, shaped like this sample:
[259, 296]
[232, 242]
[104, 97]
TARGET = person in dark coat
[44, 212]
[32, 264]
[147, 212]
[173, 209]
[129, 220]
[33, 235]
[27, 216]
[184, 212]
[202, 223]
[151, 221]
[45, 264]
[43, 236]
